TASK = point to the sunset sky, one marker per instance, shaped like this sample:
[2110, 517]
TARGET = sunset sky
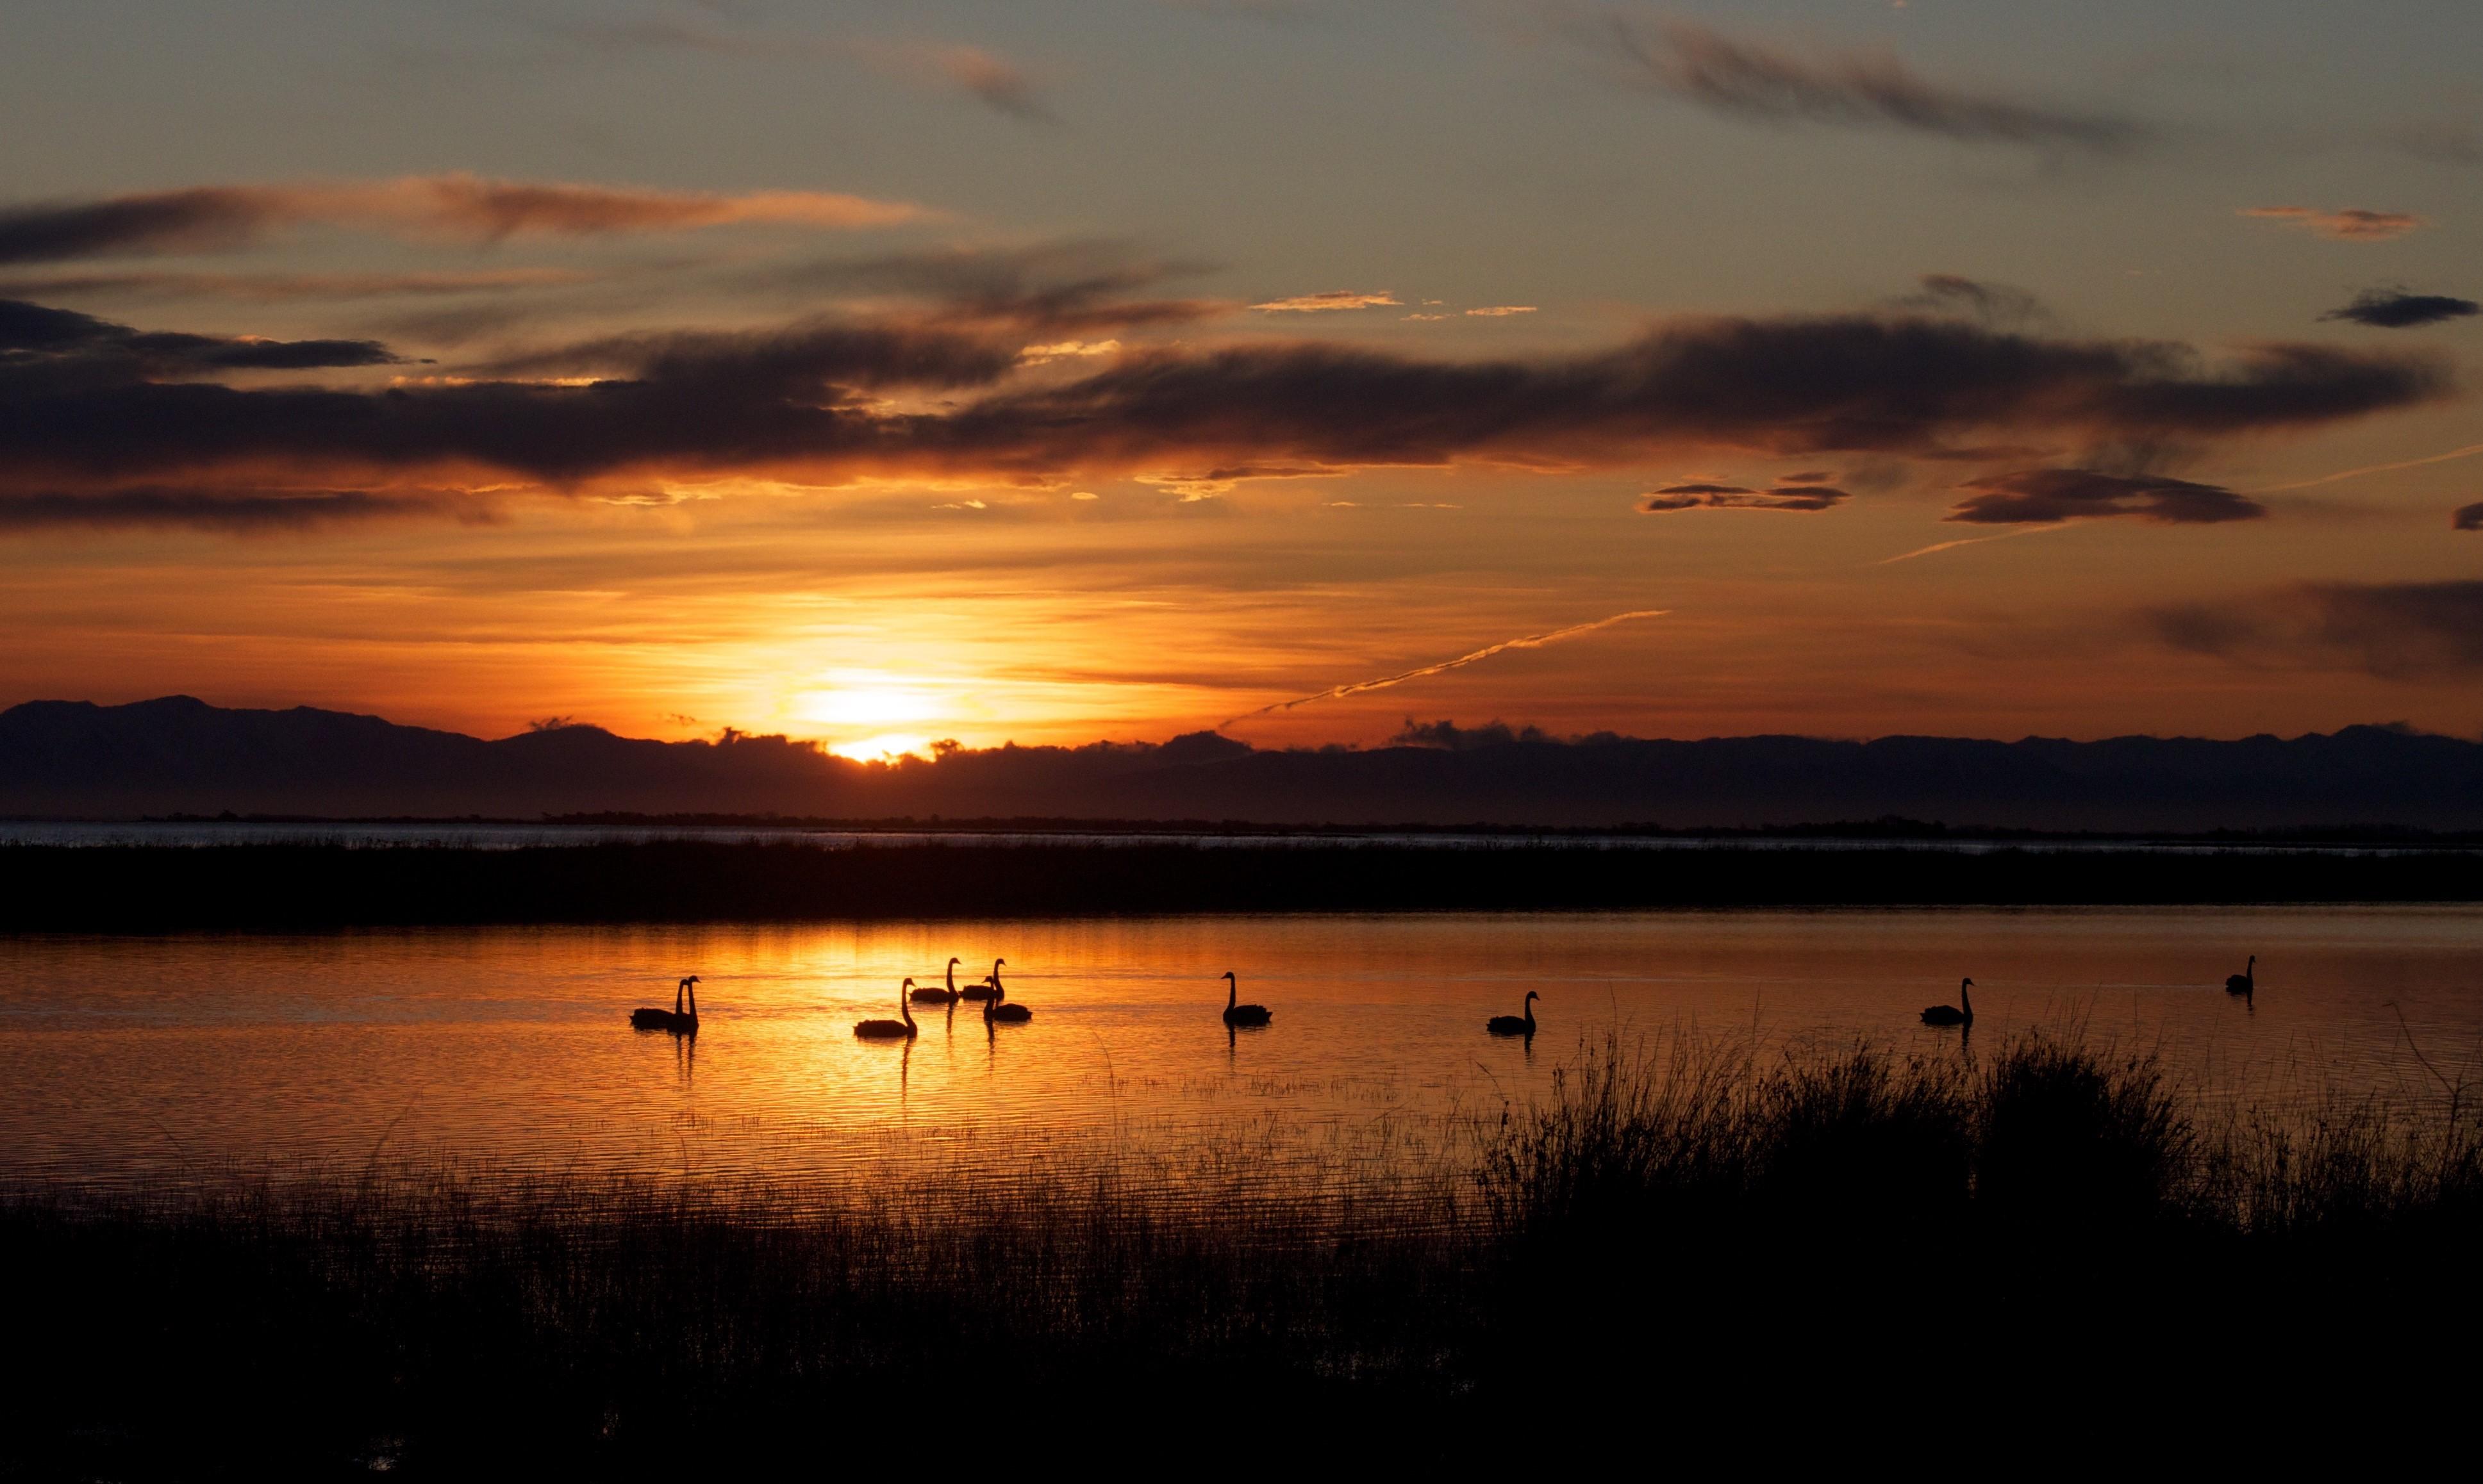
[1050, 372]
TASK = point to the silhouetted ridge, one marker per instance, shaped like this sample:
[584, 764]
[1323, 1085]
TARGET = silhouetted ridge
[179, 755]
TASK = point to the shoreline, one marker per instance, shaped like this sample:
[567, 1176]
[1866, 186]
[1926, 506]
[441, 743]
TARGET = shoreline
[125, 889]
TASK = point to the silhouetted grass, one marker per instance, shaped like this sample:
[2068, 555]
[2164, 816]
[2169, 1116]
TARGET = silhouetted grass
[1684, 1251]
[143, 888]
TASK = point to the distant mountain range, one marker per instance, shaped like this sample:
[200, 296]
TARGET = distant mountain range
[78, 760]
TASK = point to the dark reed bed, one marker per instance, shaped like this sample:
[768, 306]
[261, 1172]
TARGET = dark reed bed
[150, 889]
[2039, 1261]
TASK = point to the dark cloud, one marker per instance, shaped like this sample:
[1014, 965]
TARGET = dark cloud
[2396, 631]
[2044, 497]
[216, 218]
[1790, 496]
[2394, 308]
[206, 218]
[49, 346]
[1854, 89]
[228, 512]
[1993, 303]
[792, 402]
[278, 286]
[2466, 517]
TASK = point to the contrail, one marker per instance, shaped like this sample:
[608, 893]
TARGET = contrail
[1530, 642]
[2468, 452]
[1969, 541]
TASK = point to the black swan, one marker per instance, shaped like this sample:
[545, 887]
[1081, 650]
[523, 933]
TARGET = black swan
[654, 1018]
[1950, 1015]
[998, 1012]
[1238, 1013]
[1515, 1025]
[891, 1030]
[935, 995]
[989, 989]
[2244, 982]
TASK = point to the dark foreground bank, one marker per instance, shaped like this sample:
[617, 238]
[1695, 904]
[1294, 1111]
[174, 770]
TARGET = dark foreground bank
[2040, 1261]
[140, 888]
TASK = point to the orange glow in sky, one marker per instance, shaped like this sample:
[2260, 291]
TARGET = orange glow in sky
[1094, 408]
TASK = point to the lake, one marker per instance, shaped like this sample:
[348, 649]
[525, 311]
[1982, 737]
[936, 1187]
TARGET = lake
[508, 1051]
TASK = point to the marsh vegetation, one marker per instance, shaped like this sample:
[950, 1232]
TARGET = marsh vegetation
[1685, 1241]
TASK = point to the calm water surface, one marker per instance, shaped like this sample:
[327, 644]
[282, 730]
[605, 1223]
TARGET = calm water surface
[508, 1049]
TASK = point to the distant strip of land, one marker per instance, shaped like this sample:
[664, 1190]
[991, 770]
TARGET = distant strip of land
[264, 886]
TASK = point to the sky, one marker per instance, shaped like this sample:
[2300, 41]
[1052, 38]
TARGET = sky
[1121, 368]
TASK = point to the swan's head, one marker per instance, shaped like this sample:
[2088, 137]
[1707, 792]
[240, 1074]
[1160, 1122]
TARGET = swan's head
[1228, 973]
[909, 984]
[953, 963]
[1531, 994]
[1969, 984]
[690, 979]
[999, 962]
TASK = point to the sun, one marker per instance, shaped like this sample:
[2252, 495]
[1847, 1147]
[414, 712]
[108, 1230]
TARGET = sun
[888, 747]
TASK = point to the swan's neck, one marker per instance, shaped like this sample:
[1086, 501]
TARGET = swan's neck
[1231, 993]
[952, 978]
[1965, 998]
[905, 1010]
[692, 990]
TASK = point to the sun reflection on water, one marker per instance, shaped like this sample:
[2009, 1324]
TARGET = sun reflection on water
[509, 1048]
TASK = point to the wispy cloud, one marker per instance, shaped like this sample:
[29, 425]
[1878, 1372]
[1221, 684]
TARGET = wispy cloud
[982, 74]
[2351, 223]
[1328, 303]
[1529, 641]
[1852, 88]
[473, 207]
[1072, 286]
[1696, 497]
[2393, 630]
[1501, 310]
